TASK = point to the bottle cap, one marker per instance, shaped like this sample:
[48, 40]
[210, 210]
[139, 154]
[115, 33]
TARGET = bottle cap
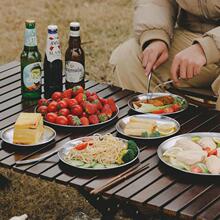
[74, 24]
[52, 27]
[30, 21]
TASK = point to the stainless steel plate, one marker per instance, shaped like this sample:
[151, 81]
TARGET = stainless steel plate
[48, 135]
[154, 95]
[70, 144]
[159, 118]
[114, 115]
[170, 143]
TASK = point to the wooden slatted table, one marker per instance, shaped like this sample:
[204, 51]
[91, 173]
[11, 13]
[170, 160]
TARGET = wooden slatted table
[157, 190]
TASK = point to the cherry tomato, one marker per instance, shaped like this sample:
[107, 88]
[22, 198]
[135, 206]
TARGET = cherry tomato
[61, 120]
[52, 107]
[62, 104]
[72, 102]
[84, 121]
[42, 101]
[42, 109]
[159, 111]
[168, 110]
[176, 107]
[210, 151]
[51, 117]
[81, 146]
[77, 110]
[64, 111]
[56, 96]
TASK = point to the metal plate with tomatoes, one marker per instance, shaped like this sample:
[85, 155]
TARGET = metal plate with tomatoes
[158, 103]
[80, 153]
[147, 126]
[77, 107]
[195, 153]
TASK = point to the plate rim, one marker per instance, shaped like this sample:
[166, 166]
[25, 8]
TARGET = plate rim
[27, 145]
[149, 138]
[82, 126]
[159, 153]
[158, 93]
[96, 169]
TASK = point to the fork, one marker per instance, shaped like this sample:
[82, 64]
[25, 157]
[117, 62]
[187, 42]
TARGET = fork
[148, 83]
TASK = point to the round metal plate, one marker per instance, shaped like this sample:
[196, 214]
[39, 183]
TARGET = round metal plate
[170, 143]
[114, 115]
[154, 95]
[160, 119]
[70, 144]
[48, 135]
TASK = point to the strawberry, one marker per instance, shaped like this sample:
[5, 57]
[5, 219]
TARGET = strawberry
[102, 117]
[73, 120]
[98, 104]
[107, 110]
[84, 121]
[92, 98]
[103, 101]
[90, 108]
[112, 104]
[88, 93]
[80, 97]
[93, 119]
[77, 89]
[67, 94]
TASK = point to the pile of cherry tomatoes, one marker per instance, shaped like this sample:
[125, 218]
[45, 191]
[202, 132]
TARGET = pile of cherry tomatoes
[76, 107]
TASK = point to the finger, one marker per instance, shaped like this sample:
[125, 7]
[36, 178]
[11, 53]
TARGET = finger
[175, 70]
[190, 71]
[197, 70]
[183, 70]
[162, 58]
[145, 59]
[140, 56]
[151, 61]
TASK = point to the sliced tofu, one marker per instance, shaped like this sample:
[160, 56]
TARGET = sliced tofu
[187, 144]
[213, 164]
[207, 142]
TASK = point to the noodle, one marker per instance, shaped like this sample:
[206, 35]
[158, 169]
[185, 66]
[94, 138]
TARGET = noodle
[101, 149]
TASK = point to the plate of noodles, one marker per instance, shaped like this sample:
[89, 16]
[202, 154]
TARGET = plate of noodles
[99, 152]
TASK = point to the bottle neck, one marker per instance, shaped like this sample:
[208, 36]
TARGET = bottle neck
[74, 42]
[30, 38]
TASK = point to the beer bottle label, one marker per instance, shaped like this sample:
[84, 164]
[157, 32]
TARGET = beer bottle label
[74, 71]
[53, 48]
[30, 39]
[32, 76]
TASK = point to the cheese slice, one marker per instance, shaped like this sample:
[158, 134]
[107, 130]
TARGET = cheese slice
[28, 128]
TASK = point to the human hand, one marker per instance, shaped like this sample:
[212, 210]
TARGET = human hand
[187, 63]
[154, 55]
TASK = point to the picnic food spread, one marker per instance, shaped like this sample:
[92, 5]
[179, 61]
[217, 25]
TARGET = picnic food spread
[28, 128]
[196, 154]
[76, 107]
[159, 105]
[100, 152]
[147, 127]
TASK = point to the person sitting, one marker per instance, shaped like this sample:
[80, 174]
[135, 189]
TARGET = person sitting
[173, 39]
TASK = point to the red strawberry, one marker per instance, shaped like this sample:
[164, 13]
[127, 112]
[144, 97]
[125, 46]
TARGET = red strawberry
[102, 117]
[77, 89]
[98, 104]
[92, 98]
[90, 108]
[112, 104]
[107, 110]
[80, 97]
[88, 93]
[93, 119]
[73, 120]
[103, 101]
[67, 94]
[84, 121]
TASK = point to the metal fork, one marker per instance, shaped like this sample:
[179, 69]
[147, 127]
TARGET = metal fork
[148, 83]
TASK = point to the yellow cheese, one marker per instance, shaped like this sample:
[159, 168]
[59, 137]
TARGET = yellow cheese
[28, 128]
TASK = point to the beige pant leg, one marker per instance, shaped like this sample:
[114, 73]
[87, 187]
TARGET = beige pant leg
[129, 74]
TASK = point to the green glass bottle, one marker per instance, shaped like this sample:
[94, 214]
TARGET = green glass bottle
[31, 70]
